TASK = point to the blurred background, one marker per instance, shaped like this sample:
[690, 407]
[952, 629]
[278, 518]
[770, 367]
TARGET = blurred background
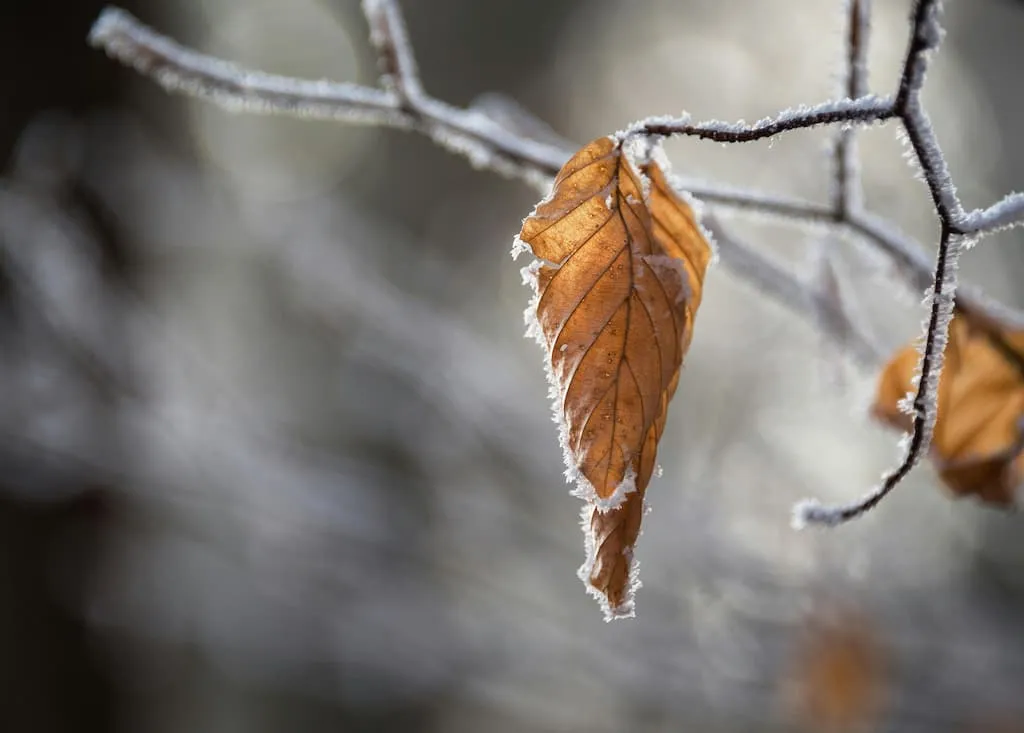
[275, 456]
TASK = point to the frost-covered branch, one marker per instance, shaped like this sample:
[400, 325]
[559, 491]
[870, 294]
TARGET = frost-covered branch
[869, 109]
[1006, 213]
[488, 143]
[467, 132]
[925, 35]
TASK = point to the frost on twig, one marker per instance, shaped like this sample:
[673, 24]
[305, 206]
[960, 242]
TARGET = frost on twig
[1006, 213]
[869, 109]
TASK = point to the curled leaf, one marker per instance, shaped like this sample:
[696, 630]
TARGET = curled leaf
[977, 444]
[617, 281]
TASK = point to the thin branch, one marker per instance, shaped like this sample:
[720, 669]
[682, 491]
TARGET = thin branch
[179, 69]
[835, 309]
[470, 132]
[847, 192]
[911, 261]
[750, 200]
[183, 70]
[925, 36]
[866, 110]
[929, 156]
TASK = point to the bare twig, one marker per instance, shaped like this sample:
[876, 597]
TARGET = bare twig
[488, 144]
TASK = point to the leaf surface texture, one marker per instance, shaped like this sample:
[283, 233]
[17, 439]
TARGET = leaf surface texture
[617, 282]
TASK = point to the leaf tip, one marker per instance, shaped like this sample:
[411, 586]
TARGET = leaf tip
[625, 606]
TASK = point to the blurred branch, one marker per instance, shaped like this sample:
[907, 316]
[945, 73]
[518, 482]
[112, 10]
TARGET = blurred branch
[796, 294]
[847, 193]
[394, 54]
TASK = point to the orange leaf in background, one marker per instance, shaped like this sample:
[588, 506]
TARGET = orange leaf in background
[836, 681]
[977, 441]
[618, 277]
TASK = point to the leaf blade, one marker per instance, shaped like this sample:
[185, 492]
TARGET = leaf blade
[615, 293]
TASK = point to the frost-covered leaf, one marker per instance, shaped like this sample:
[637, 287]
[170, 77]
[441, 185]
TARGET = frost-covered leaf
[977, 441]
[617, 281]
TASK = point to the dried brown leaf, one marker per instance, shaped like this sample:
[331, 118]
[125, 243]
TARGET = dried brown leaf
[977, 441]
[617, 281]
